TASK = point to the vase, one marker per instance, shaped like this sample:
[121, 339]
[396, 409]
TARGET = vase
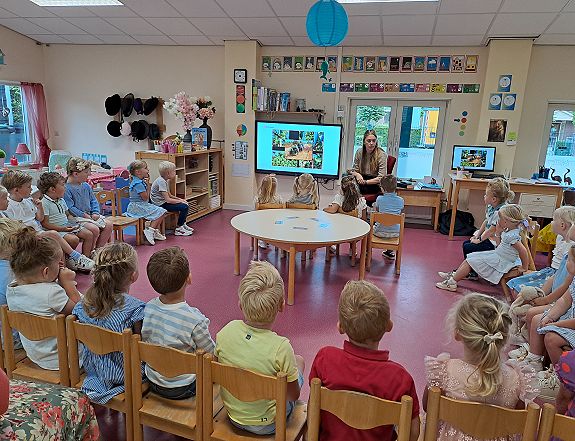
[209, 132]
[187, 139]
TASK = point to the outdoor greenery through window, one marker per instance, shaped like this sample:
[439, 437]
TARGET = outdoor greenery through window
[13, 127]
[560, 153]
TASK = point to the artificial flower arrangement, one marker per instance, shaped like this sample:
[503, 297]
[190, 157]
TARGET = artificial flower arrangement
[184, 108]
[205, 108]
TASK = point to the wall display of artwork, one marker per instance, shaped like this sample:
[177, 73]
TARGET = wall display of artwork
[407, 87]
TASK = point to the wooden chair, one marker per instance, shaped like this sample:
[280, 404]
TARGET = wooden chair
[19, 355]
[102, 341]
[530, 243]
[119, 223]
[35, 328]
[248, 386]
[179, 417]
[357, 410]
[254, 244]
[371, 198]
[478, 420]
[555, 426]
[299, 206]
[352, 245]
[393, 243]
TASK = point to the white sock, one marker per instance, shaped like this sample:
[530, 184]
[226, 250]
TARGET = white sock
[533, 357]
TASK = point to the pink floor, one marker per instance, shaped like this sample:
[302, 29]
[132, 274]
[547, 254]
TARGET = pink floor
[418, 309]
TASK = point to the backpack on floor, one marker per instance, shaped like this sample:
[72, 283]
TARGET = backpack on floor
[464, 223]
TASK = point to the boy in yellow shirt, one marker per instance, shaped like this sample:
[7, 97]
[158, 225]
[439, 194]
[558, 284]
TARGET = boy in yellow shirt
[251, 344]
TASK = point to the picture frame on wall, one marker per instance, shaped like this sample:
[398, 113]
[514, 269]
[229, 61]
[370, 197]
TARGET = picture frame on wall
[298, 63]
[347, 63]
[381, 63]
[277, 64]
[457, 63]
[394, 64]
[309, 65]
[358, 64]
[266, 64]
[370, 64]
[431, 64]
[444, 63]
[407, 64]
[288, 64]
[332, 63]
[318, 62]
[471, 62]
[419, 64]
[497, 130]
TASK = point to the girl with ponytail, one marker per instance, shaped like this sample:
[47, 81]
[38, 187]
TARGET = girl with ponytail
[108, 305]
[481, 324]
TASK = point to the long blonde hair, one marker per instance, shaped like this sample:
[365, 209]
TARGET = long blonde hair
[114, 265]
[350, 192]
[515, 214]
[500, 189]
[482, 324]
[267, 191]
[374, 157]
[9, 228]
[305, 185]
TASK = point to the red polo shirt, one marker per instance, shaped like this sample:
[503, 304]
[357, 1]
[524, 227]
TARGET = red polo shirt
[361, 370]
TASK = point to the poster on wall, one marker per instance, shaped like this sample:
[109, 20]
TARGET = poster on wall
[394, 64]
[471, 63]
[509, 101]
[431, 64]
[406, 64]
[370, 64]
[495, 101]
[457, 63]
[347, 63]
[504, 84]
[418, 64]
[382, 63]
[288, 64]
[497, 130]
[444, 63]
[358, 64]
[276, 64]
[332, 63]
[266, 64]
[309, 64]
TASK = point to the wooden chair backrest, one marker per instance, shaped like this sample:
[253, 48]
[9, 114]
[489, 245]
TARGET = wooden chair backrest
[300, 206]
[35, 327]
[555, 425]
[121, 193]
[245, 385]
[357, 410]
[269, 206]
[352, 213]
[387, 219]
[478, 420]
[105, 196]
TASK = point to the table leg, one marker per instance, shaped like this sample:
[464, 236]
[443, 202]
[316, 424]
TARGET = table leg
[559, 197]
[436, 214]
[237, 255]
[454, 210]
[291, 275]
[362, 257]
[449, 194]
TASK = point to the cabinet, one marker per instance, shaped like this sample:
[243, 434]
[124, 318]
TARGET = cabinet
[199, 178]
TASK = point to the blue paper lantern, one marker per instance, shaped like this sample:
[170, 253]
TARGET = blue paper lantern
[326, 23]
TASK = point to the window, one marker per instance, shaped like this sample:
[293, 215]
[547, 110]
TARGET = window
[13, 124]
[559, 153]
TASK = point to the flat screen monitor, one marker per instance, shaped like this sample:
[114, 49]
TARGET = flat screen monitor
[473, 157]
[288, 148]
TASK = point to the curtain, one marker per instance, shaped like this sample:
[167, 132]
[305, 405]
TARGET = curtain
[35, 104]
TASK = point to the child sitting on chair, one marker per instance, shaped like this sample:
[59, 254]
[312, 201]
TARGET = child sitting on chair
[389, 202]
[348, 198]
[305, 190]
[82, 202]
[251, 344]
[161, 196]
[267, 194]
[360, 366]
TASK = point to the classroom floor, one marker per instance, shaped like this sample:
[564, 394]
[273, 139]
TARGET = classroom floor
[418, 309]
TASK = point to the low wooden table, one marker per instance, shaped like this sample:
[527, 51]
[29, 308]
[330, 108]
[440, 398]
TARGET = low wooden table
[425, 197]
[300, 230]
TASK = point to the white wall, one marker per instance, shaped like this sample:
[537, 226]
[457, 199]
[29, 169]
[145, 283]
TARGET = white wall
[23, 57]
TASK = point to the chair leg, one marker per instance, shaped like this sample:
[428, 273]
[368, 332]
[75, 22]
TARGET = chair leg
[353, 249]
[368, 258]
[255, 246]
[139, 233]
[337, 250]
[327, 254]
[397, 262]
[303, 256]
[252, 243]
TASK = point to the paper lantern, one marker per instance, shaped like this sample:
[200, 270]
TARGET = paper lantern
[326, 23]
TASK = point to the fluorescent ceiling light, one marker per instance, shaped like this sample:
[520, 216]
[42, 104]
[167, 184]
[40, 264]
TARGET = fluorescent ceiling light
[383, 1]
[77, 2]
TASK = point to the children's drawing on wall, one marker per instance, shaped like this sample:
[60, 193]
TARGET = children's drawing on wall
[298, 63]
[310, 64]
[497, 129]
[332, 63]
[288, 64]
[277, 64]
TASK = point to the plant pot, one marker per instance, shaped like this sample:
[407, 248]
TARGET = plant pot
[209, 131]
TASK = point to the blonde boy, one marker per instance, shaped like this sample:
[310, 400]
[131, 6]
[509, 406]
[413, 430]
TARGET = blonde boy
[251, 344]
[360, 366]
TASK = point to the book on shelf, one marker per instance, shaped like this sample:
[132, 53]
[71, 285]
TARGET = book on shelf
[269, 100]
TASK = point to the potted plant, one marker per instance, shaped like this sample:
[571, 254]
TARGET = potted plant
[2, 157]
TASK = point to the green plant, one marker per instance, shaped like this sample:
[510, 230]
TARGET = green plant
[2, 154]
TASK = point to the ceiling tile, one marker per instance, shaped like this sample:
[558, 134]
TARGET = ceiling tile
[191, 40]
[408, 24]
[457, 40]
[556, 39]
[113, 11]
[82, 39]
[151, 8]
[175, 26]
[155, 39]
[117, 39]
[51, 39]
[362, 25]
[23, 26]
[406, 40]
[291, 8]
[518, 24]
[261, 26]
[302, 41]
[468, 6]
[198, 8]
[570, 6]
[57, 25]
[220, 40]
[222, 27]
[25, 8]
[362, 9]
[295, 25]
[461, 24]
[533, 5]
[71, 11]
[275, 41]
[417, 8]
[247, 8]
[134, 26]
[6, 14]
[95, 25]
[565, 24]
[362, 40]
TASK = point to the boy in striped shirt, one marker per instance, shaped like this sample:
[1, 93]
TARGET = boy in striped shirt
[170, 321]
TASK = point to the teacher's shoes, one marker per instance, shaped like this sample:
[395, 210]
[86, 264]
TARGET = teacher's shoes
[448, 284]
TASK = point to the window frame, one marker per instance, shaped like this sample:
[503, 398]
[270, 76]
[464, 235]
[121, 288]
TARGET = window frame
[552, 107]
[28, 136]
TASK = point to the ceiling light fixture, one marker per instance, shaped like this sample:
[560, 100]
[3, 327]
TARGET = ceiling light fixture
[77, 2]
[384, 1]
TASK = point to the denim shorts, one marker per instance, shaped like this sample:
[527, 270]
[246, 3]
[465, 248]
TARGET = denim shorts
[270, 428]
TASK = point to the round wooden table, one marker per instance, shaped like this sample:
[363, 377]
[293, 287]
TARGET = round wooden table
[300, 230]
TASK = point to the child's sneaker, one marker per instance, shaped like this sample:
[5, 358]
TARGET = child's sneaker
[149, 235]
[445, 275]
[84, 264]
[520, 353]
[158, 235]
[71, 264]
[181, 231]
[472, 275]
[448, 285]
[186, 227]
[388, 254]
[262, 244]
[548, 384]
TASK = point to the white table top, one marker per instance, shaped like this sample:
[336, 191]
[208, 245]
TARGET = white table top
[300, 226]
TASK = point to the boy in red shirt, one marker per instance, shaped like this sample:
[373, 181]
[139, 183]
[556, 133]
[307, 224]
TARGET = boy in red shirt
[364, 316]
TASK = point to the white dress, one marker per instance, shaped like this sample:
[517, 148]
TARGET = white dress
[492, 265]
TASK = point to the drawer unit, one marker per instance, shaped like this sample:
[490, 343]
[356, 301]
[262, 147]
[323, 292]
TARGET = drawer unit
[538, 205]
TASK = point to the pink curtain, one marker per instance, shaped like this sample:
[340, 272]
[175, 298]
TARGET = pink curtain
[35, 103]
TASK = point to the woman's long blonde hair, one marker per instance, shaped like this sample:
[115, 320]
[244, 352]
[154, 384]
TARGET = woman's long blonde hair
[267, 193]
[114, 265]
[373, 158]
[482, 324]
[304, 185]
[500, 189]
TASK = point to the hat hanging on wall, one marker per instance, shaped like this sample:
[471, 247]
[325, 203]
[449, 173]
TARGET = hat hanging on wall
[138, 106]
[154, 133]
[127, 104]
[144, 131]
[113, 104]
[114, 128]
[126, 129]
[150, 105]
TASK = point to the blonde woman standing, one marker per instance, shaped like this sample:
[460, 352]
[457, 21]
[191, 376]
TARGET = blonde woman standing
[369, 164]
